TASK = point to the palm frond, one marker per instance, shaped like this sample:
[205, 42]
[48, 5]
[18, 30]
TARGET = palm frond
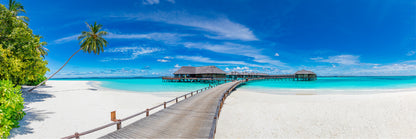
[92, 40]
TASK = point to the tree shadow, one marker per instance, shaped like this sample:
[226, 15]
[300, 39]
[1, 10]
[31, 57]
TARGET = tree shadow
[32, 114]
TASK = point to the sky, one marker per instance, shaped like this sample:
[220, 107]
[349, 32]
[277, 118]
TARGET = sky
[156, 37]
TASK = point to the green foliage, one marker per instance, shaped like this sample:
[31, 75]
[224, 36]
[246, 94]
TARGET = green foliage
[39, 78]
[11, 107]
[92, 40]
[21, 52]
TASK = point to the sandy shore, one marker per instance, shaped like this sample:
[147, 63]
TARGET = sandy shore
[251, 114]
[64, 107]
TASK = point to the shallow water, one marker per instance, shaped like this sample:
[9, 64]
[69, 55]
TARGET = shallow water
[153, 85]
[390, 82]
[150, 85]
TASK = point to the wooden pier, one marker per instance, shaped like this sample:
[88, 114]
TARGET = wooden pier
[191, 118]
[207, 80]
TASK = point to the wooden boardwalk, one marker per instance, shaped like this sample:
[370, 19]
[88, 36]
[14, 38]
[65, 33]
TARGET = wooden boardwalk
[191, 118]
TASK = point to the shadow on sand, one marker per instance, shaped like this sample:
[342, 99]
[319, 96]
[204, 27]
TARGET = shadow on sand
[31, 113]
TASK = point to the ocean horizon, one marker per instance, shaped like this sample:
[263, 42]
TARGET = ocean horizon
[155, 84]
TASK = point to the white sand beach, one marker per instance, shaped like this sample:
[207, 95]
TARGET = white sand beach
[251, 114]
[64, 107]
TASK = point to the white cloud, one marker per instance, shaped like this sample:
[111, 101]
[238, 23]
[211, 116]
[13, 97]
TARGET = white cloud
[168, 57]
[209, 60]
[152, 2]
[66, 39]
[242, 69]
[177, 66]
[339, 59]
[134, 52]
[163, 60]
[276, 54]
[222, 27]
[237, 49]
[157, 36]
[151, 36]
[363, 69]
[410, 53]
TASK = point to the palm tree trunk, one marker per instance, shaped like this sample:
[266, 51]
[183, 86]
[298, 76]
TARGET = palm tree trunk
[55, 72]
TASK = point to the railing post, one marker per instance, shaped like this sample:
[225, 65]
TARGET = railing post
[147, 112]
[118, 125]
[176, 100]
[185, 96]
[76, 135]
[164, 105]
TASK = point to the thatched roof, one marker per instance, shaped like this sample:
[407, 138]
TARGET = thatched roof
[199, 70]
[304, 72]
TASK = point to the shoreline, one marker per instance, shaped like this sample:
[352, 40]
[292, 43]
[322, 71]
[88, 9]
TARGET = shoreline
[291, 91]
[278, 115]
[62, 108]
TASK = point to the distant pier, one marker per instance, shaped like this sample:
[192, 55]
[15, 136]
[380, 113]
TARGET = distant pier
[212, 74]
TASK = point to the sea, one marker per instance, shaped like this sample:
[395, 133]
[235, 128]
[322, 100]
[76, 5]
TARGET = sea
[326, 83]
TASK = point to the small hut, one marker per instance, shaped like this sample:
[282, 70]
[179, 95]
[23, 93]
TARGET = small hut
[200, 72]
[305, 75]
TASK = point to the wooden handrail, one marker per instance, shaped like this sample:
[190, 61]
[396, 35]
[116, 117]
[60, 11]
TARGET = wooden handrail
[77, 135]
[221, 103]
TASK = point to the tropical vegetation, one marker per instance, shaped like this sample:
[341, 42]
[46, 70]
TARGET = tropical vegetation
[22, 62]
[11, 108]
[21, 52]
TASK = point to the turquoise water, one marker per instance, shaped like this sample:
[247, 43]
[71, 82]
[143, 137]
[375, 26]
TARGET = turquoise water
[156, 84]
[390, 82]
[147, 85]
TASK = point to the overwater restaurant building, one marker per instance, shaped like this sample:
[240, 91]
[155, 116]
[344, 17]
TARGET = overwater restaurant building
[200, 72]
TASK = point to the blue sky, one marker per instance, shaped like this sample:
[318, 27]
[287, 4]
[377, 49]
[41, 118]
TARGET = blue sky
[155, 37]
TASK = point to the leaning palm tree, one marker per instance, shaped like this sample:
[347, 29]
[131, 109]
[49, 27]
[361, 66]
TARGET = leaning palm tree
[91, 41]
[17, 8]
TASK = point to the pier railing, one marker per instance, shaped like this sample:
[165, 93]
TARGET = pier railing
[221, 103]
[147, 111]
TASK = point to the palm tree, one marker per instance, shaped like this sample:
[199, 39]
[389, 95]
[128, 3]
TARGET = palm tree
[40, 48]
[91, 41]
[17, 8]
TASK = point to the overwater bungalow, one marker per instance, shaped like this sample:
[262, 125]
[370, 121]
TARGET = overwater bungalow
[305, 75]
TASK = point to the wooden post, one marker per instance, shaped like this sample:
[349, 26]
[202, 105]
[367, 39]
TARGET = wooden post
[164, 105]
[119, 125]
[192, 93]
[113, 116]
[185, 96]
[147, 112]
[176, 100]
[76, 135]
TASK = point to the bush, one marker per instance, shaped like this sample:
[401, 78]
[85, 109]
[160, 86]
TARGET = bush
[38, 79]
[11, 107]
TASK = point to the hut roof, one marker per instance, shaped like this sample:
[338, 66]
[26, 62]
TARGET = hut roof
[199, 70]
[304, 72]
